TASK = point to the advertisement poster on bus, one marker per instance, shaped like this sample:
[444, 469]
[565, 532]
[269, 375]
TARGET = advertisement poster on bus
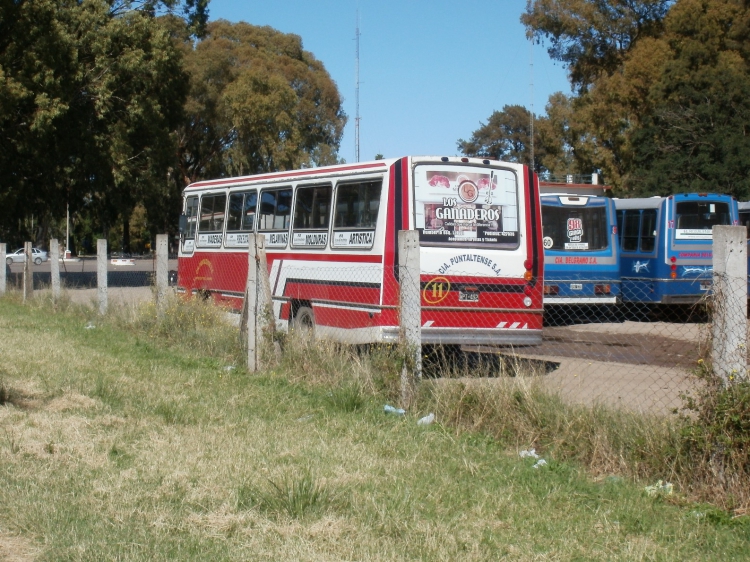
[466, 206]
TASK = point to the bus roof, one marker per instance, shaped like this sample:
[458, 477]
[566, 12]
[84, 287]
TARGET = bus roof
[339, 169]
[639, 203]
[567, 199]
[654, 202]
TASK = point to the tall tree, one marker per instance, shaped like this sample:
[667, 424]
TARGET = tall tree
[696, 136]
[614, 51]
[258, 102]
[592, 37]
[507, 135]
[89, 92]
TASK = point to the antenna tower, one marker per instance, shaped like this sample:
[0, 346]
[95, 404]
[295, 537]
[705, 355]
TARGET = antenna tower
[356, 92]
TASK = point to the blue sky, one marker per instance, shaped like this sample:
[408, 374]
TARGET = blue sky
[430, 71]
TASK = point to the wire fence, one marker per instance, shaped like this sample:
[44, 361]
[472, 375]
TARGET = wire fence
[638, 355]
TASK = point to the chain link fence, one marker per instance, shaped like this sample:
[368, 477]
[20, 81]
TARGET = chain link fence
[635, 355]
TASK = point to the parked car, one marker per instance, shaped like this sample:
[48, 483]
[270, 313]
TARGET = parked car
[38, 256]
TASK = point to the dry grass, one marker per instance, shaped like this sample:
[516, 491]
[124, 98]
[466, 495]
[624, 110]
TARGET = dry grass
[132, 440]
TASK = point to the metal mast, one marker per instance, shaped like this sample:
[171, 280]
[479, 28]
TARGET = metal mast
[356, 92]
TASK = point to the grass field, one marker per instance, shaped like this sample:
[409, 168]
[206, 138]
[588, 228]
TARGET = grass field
[119, 441]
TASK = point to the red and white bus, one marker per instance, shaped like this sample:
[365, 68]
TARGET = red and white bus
[331, 239]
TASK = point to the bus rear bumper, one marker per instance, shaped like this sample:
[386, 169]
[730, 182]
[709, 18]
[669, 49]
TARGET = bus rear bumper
[581, 300]
[481, 336]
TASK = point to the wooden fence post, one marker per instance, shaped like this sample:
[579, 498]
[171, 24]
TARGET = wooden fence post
[729, 353]
[101, 274]
[411, 312]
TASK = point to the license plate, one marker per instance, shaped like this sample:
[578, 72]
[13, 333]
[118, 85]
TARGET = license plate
[468, 296]
[705, 285]
[576, 286]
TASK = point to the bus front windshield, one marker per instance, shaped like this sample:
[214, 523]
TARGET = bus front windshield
[574, 229]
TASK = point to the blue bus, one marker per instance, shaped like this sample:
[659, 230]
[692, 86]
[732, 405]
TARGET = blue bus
[581, 251]
[743, 211]
[666, 245]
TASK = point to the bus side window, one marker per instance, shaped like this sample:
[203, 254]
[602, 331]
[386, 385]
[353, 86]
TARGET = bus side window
[241, 211]
[234, 214]
[212, 212]
[275, 209]
[357, 205]
[312, 207]
[191, 212]
[248, 210]
[630, 228]
[648, 230]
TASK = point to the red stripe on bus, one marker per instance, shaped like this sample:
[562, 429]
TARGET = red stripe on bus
[281, 175]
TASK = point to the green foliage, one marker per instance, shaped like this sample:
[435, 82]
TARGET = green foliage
[263, 472]
[258, 102]
[295, 496]
[348, 396]
[505, 136]
[89, 96]
[660, 104]
[715, 437]
[592, 37]
[695, 137]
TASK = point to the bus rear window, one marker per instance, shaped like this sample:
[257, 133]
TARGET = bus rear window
[575, 229]
[695, 219]
[466, 206]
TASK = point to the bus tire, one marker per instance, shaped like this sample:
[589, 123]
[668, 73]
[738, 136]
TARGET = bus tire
[304, 321]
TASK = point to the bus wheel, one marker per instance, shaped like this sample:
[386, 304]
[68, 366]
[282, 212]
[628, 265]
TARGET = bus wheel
[304, 321]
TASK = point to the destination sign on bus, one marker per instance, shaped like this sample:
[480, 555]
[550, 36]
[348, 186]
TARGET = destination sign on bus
[466, 205]
[310, 239]
[358, 239]
[209, 240]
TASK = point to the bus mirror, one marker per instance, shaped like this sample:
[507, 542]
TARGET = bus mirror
[183, 224]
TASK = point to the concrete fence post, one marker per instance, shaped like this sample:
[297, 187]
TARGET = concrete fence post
[265, 304]
[411, 312]
[251, 304]
[162, 273]
[54, 268]
[28, 273]
[729, 353]
[101, 274]
[3, 278]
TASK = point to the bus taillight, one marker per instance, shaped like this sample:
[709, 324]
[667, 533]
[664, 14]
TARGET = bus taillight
[528, 275]
[602, 289]
[551, 290]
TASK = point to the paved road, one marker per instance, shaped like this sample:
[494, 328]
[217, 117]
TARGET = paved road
[81, 273]
[89, 265]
